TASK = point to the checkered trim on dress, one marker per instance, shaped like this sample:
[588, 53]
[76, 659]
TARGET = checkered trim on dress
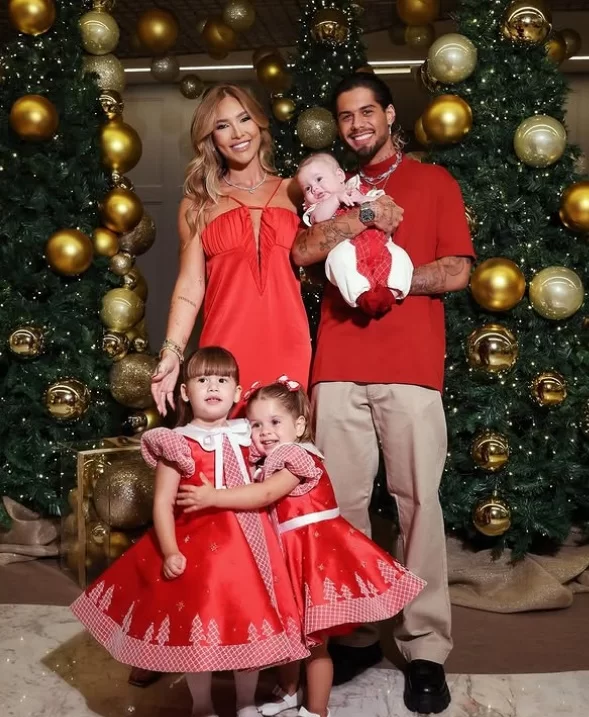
[163, 443]
[296, 460]
[250, 521]
[266, 651]
[344, 609]
[376, 268]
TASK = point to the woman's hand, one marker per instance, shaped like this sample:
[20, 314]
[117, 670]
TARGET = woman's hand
[174, 565]
[193, 498]
[163, 381]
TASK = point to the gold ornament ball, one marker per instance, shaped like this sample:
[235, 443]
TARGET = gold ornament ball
[540, 141]
[135, 281]
[121, 210]
[316, 128]
[574, 207]
[141, 238]
[67, 400]
[130, 380]
[140, 421]
[420, 134]
[556, 293]
[121, 309]
[123, 495]
[69, 252]
[497, 284]
[330, 26]
[120, 146]
[556, 48]
[262, 52]
[283, 108]
[272, 73]
[492, 349]
[98, 532]
[418, 12]
[100, 32]
[27, 341]
[117, 544]
[218, 36]
[106, 243]
[452, 58]
[34, 118]
[32, 17]
[490, 450]
[191, 86]
[157, 30]
[165, 69]
[572, 40]
[447, 119]
[420, 36]
[110, 71]
[112, 103]
[548, 388]
[527, 22]
[492, 516]
[121, 263]
[239, 15]
[115, 345]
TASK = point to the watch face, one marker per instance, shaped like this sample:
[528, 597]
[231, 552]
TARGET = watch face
[366, 214]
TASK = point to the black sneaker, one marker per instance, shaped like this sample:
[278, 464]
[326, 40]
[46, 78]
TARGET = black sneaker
[426, 690]
[351, 661]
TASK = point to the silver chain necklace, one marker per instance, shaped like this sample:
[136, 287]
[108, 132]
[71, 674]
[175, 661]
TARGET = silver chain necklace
[251, 190]
[385, 175]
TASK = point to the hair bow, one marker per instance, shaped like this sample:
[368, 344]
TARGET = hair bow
[288, 382]
[284, 380]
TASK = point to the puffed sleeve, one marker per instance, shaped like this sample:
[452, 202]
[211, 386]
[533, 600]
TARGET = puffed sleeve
[169, 445]
[296, 460]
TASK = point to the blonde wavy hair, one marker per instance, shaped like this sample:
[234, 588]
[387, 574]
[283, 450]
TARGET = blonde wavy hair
[202, 184]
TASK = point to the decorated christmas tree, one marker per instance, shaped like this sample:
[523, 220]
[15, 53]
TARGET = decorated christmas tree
[517, 368]
[56, 281]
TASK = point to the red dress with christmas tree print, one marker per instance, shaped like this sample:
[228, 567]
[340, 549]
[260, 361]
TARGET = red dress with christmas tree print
[232, 608]
[340, 577]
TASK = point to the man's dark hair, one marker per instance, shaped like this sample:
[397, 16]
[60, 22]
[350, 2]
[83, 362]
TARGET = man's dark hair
[367, 80]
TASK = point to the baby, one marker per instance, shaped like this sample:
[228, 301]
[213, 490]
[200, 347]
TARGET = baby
[370, 271]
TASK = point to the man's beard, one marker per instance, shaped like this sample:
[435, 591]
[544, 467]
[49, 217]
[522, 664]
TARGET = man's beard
[365, 154]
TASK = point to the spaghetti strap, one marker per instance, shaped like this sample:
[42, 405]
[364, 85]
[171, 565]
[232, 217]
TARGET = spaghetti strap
[278, 185]
[251, 206]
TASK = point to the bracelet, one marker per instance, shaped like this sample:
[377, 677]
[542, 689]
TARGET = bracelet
[174, 348]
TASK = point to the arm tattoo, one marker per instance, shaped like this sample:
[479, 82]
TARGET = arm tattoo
[433, 278]
[188, 301]
[335, 232]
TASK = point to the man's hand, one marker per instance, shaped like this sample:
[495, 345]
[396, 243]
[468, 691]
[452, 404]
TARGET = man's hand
[193, 498]
[388, 215]
[174, 565]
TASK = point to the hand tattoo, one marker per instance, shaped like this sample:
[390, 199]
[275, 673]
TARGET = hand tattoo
[435, 278]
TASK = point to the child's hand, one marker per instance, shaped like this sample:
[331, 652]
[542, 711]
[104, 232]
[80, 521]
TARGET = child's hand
[346, 198]
[193, 498]
[174, 565]
[356, 196]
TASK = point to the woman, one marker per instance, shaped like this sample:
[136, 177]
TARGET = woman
[237, 223]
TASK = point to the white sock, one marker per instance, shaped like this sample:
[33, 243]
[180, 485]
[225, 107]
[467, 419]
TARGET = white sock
[245, 693]
[199, 684]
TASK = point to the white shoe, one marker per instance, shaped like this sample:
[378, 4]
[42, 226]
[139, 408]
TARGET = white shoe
[284, 702]
[304, 712]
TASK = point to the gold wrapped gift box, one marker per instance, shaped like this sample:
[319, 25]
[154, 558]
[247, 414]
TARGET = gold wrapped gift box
[109, 491]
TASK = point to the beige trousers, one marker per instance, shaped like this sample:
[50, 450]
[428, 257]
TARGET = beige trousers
[410, 424]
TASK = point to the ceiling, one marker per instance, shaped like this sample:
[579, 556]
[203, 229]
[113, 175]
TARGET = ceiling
[276, 21]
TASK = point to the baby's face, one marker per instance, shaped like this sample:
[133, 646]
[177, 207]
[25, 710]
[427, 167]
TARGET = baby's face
[320, 179]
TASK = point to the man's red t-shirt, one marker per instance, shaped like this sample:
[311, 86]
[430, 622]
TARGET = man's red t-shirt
[408, 344]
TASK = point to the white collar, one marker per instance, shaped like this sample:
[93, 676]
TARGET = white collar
[238, 429]
[312, 448]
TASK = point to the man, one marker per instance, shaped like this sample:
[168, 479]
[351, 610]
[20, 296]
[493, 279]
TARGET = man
[380, 380]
